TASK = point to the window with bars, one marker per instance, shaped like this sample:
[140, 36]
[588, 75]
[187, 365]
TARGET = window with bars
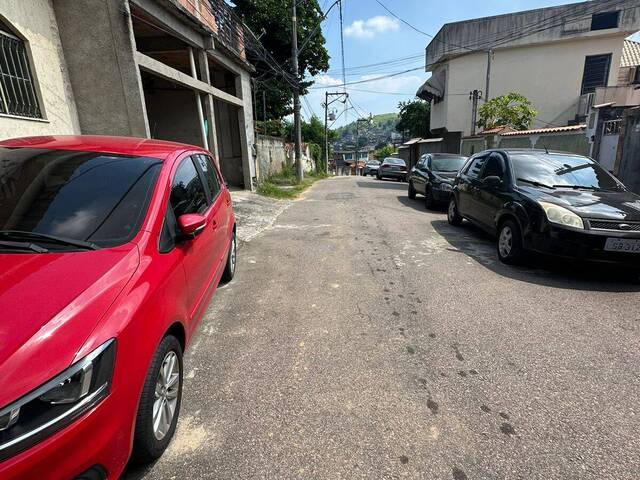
[17, 86]
[596, 72]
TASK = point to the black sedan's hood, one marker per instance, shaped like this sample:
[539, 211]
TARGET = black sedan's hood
[591, 204]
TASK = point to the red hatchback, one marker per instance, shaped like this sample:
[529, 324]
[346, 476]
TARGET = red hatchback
[110, 250]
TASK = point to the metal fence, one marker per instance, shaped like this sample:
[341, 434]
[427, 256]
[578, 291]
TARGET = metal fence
[17, 89]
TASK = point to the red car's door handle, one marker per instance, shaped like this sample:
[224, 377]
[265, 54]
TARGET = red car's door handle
[214, 224]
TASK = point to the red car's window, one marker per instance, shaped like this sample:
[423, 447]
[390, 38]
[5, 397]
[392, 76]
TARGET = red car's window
[86, 196]
[187, 190]
[209, 174]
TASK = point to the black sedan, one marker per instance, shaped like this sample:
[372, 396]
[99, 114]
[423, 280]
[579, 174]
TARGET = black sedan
[549, 202]
[392, 168]
[433, 177]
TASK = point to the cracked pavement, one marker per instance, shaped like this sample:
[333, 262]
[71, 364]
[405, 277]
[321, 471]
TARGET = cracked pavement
[363, 337]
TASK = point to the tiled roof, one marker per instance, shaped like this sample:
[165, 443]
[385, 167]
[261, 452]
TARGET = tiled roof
[498, 129]
[537, 131]
[630, 54]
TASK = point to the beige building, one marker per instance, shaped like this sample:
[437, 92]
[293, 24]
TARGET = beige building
[166, 69]
[556, 57]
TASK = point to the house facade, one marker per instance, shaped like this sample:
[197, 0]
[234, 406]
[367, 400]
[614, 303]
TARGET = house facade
[166, 69]
[556, 57]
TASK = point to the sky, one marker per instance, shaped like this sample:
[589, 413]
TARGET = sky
[372, 36]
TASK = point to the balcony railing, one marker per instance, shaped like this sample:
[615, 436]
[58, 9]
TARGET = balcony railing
[228, 27]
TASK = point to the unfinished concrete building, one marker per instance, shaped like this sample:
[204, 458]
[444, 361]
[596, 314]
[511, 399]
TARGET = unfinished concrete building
[166, 69]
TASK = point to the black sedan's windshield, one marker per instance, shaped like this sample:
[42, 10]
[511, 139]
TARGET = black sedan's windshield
[447, 163]
[561, 171]
[83, 196]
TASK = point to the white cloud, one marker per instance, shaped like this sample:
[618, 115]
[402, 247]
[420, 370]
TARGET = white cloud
[327, 81]
[372, 26]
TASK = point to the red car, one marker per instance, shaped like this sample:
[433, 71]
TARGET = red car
[110, 250]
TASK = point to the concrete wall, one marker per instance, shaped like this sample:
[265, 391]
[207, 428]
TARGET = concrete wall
[456, 38]
[471, 146]
[97, 41]
[569, 142]
[549, 75]
[271, 155]
[35, 21]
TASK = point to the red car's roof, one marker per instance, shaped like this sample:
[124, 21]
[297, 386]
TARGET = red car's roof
[142, 147]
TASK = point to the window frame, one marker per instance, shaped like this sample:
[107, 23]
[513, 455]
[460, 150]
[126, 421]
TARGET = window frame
[7, 30]
[500, 158]
[203, 177]
[609, 57]
[599, 17]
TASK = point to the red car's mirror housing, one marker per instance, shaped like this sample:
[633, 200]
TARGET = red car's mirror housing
[192, 224]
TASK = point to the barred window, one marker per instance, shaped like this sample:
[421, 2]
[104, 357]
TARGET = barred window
[17, 87]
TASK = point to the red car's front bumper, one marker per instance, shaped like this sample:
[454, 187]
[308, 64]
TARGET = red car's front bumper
[101, 437]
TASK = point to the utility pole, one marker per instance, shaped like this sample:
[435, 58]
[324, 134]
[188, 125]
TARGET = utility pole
[489, 60]
[326, 121]
[474, 97]
[296, 95]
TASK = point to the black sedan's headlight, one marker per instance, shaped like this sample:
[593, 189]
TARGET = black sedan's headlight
[58, 402]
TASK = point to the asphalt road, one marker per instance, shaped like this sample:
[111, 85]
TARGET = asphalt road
[363, 337]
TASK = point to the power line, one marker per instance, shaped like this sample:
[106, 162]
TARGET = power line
[373, 79]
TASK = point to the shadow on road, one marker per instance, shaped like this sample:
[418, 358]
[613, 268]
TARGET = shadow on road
[418, 204]
[384, 184]
[538, 269]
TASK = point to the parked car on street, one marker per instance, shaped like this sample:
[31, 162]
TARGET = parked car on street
[549, 202]
[392, 168]
[111, 249]
[371, 168]
[433, 177]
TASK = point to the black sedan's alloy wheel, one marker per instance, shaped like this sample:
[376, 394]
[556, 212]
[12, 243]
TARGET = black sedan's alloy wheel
[160, 402]
[453, 216]
[510, 249]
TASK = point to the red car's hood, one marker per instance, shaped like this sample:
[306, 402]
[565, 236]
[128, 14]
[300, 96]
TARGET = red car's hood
[49, 305]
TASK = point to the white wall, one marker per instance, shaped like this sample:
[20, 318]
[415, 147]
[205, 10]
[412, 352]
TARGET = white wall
[549, 75]
[35, 21]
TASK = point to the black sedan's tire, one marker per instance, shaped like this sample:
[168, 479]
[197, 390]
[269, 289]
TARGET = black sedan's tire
[412, 191]
[230, 267]
[378, 177]
[510, 250]
[429, 201]
[453, 216]
[160, 403]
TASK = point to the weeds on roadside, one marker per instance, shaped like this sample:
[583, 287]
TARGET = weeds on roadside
[283, 185]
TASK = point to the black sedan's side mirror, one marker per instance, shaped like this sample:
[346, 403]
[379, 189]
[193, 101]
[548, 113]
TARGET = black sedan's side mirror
[492, 181]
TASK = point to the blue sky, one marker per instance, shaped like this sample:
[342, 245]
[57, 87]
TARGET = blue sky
[372, 35]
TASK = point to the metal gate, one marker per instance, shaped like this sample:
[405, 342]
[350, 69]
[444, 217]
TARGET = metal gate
[629, 171]
[609, 143]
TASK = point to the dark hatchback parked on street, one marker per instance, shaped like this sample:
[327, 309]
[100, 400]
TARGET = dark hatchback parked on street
[433, 177]
[550, 202]
[392, 168]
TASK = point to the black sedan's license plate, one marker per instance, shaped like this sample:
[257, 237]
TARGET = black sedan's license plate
[622, 245]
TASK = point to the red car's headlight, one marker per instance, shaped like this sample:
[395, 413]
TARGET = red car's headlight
[58, 402]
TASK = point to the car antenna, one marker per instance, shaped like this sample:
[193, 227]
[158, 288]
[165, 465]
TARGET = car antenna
[546, 149]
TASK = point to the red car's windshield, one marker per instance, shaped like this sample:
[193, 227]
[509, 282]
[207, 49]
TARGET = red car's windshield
[84, 196]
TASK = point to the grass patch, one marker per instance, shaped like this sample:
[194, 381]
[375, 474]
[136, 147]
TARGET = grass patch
[283, 185]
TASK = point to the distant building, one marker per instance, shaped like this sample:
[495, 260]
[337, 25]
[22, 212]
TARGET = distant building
[557, 57]
[171, 70]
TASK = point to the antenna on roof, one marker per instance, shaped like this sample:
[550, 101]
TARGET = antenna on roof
[546, 149]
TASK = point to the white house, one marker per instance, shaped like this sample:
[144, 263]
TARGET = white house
[556, 57]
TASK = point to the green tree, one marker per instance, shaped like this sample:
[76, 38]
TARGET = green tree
[384, 152]
[512, 110]
[414, 118]
[313, 134]
[272, 20]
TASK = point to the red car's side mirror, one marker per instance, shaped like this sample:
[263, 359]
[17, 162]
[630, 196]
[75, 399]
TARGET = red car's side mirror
[192, 224]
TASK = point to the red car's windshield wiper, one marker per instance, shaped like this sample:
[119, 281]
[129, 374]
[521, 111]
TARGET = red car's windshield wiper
[19, 235]
[22, 246]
